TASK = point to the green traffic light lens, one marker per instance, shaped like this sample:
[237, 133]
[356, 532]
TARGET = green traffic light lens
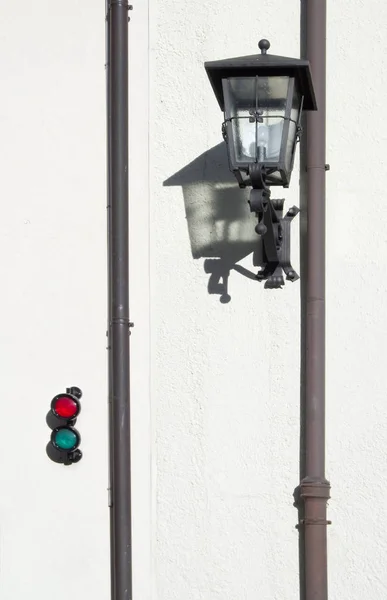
[66, 439]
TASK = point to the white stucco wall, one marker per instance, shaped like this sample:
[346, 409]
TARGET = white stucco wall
[215, 385]
[54, 538]
[226, 376]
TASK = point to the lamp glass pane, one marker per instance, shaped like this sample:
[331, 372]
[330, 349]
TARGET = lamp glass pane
[257, 110]
[295, 115]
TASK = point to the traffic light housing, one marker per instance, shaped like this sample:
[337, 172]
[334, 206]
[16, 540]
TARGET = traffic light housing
[63, 446]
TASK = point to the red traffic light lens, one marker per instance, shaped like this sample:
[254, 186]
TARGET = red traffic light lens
[65, 406]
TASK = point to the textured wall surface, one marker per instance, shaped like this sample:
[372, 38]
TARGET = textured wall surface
[54, 540]
[53, 520]
[215, 377]
[226, 376]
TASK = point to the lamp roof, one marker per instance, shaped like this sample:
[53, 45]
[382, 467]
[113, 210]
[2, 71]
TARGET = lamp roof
[264, 65]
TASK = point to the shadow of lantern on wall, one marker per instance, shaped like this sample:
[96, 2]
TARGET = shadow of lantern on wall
[263, 97]
[218, 219]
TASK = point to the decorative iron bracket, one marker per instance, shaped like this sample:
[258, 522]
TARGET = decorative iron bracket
[274, 228]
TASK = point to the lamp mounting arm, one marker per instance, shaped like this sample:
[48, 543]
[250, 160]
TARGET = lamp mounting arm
[274, 228]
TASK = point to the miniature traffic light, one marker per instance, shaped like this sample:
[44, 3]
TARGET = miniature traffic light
[65, 439]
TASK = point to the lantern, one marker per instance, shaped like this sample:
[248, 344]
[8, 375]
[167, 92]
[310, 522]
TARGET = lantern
[262, 97]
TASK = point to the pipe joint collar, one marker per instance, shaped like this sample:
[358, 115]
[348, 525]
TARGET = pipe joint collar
[314, 487]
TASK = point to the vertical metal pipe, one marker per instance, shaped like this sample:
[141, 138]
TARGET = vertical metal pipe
[118, 296]
[109, 304]
[316, 51]
[314, 487]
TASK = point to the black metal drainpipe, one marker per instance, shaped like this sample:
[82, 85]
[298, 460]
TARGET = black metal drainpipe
[314, 488]
[118, 300]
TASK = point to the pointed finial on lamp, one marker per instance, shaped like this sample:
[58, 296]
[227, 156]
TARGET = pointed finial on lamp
[264, 46]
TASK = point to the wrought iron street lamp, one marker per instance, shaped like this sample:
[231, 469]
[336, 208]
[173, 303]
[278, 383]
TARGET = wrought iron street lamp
[263, 97]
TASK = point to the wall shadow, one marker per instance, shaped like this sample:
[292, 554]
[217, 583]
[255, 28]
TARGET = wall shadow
[220, 224]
